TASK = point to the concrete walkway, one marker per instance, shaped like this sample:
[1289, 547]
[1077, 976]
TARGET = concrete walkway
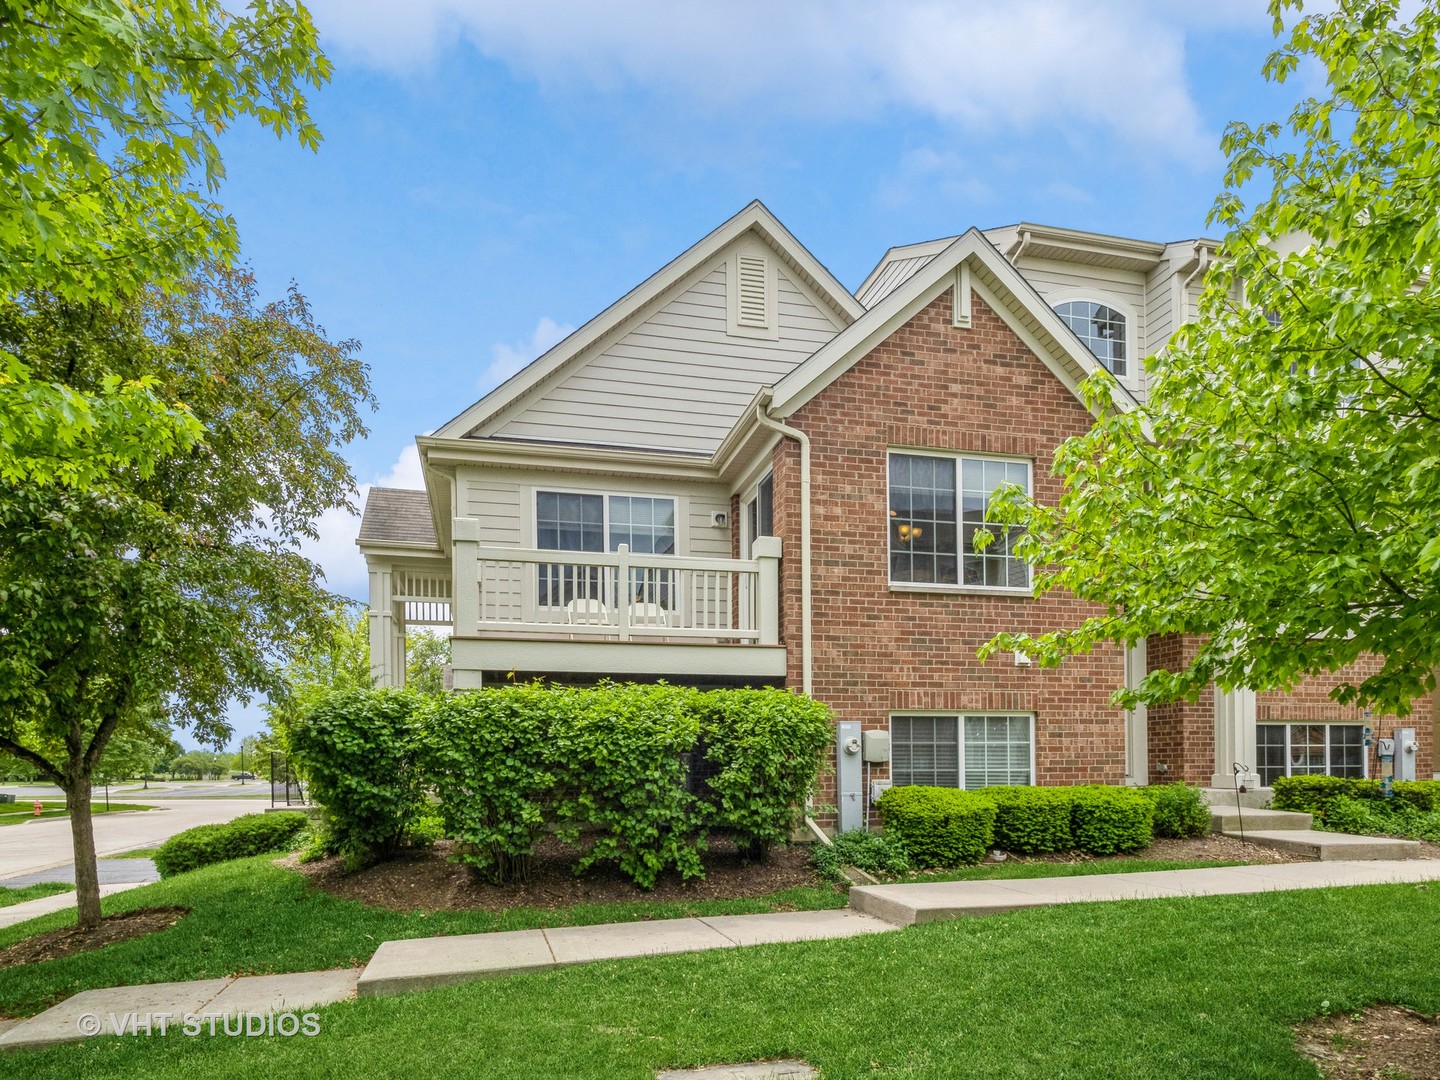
[422, 963]
[33, 909]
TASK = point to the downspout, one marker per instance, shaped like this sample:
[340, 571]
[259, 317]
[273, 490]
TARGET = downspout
[1202, 263]
[766, 420]
[1020, 249]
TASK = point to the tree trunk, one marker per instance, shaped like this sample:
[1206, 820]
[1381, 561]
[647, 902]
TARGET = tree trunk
[82, 833]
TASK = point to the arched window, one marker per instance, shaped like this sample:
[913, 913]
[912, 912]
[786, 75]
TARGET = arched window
[1101, 328]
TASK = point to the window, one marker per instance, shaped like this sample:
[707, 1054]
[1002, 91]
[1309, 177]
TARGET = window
[928, 493]
[1309, 750]
[760, 511]
[568, 521]
[1100, 327]
[940, 751]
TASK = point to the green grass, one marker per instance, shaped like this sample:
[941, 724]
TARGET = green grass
[138, 853]
[254, 917]
[20, 812]
[32, 892]
[1175, 988]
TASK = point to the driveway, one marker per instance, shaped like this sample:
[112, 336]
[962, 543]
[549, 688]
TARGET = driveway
[45, 843]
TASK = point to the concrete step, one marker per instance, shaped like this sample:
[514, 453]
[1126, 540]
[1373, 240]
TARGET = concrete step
[1228, 820]
[1327, 846]
[1259, 797]
[906, 905]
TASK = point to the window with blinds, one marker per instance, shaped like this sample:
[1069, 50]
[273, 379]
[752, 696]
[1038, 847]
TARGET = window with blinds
[940, 751]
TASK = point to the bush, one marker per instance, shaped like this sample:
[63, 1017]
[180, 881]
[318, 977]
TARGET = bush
[252, 834]
[939, 826]
[1109, 820]
[1315, 794]
[875, 853]
[485, 756]
[1032, 819]
[359, 749]
[1180, 811]
[760, 754]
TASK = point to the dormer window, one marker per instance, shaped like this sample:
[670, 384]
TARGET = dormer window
[1101, 328]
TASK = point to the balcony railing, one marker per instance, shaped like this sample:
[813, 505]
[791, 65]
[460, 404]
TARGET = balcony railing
[621, 595]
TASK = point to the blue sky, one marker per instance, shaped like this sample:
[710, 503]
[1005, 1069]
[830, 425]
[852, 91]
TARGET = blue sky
[494, 174]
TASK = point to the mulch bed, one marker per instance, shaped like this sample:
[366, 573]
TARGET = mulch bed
[1384, 1041]
[425, 880]
[1211, 847]
[112, 929]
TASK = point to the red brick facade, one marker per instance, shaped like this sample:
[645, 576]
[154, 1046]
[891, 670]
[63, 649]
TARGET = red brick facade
[879, 649]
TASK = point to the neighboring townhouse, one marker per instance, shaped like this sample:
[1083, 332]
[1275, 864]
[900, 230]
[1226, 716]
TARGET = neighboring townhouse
[740, 473]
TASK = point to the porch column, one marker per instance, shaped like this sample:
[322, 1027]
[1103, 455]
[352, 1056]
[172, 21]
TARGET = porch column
[1137, 720]
[381, 625]
[1234, 738]
[766, 552]
[465, 576]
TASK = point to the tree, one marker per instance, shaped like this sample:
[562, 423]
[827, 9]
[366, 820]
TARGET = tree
[143, 750]
[426, 655]
[109, 118]
[1280, 492]
[171, 593]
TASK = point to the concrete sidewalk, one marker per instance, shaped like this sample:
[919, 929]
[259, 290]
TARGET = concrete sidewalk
[33, 909]
[421, 963]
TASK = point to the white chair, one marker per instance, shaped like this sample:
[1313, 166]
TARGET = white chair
[648, 615]
[586, 611]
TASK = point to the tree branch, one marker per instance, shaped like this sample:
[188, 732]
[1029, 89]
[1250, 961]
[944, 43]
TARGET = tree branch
[10, 746]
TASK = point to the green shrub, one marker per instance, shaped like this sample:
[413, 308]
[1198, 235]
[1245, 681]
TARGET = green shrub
[1315, 794]
[486, 756]
[251, 834]
[1032, 819]
[875, 853]
[1382, 817]
[1180, 811]
[761, 751]
[939, 826]
[618, 757]
[359, 748]
[1109, 820]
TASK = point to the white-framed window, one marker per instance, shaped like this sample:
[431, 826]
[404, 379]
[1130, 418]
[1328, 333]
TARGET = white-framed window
[938, 502]
[759, 514]
[1309, 750]
[969, 750]
[1102, 328]
[592, 522]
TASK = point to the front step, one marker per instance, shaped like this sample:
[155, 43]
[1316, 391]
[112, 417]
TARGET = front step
[1328, 846]
[1229, 820]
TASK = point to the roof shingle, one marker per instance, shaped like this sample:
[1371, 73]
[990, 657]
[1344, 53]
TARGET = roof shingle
[397, 516]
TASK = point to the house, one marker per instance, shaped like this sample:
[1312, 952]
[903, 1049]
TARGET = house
[741, 473]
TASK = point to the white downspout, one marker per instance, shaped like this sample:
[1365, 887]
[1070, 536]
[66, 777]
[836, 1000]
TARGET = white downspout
[766, 420]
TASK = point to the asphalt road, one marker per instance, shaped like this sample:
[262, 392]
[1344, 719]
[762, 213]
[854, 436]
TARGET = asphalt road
[45, 842]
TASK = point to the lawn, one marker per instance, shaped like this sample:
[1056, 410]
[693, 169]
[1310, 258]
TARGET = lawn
[32, 892]
[20, 812]
[1174, 988]
[138, 853]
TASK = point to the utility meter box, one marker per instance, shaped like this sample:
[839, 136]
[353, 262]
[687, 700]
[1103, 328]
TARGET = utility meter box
[876, 748]
[1407, 749]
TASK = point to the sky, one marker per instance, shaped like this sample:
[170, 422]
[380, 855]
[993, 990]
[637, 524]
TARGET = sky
[493, 174]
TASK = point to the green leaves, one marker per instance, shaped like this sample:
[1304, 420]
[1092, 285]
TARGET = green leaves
[1276, 497]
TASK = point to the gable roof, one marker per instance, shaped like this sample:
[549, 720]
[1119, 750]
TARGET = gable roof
[564, 357]
[397, 516]
[997, 282]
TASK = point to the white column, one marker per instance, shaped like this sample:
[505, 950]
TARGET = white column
[1234, 738]
[1137, 720]
[465, 576]
[381, 624]
[766, 552]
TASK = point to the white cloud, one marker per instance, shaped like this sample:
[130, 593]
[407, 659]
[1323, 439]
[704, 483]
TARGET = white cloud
[1116, 65]
[926, 172]
[335, 550]
[507, 359]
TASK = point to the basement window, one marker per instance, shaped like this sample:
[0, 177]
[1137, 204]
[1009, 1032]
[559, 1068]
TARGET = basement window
[979, 749]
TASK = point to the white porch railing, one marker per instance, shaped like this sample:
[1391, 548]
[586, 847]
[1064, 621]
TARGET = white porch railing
[622, 596]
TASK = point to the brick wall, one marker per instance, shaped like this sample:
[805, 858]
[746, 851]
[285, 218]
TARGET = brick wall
[878, 650]
[1181, 733]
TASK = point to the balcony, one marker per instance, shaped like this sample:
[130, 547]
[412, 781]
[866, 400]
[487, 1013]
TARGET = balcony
[614, 614]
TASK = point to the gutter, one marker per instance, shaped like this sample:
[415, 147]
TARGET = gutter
[764, 419]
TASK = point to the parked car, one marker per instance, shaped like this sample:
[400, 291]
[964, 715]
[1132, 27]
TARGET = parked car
[242, 776]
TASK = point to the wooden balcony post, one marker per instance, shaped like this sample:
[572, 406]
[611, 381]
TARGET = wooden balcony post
[465, 611]
[766, 552]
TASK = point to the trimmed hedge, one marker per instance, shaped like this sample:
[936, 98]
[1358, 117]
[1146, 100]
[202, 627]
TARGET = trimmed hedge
[939, 826]
[250, 834]
[1110, 820]
[359, 751]
[1315, 794]
[1029, 820]
[1180, 810]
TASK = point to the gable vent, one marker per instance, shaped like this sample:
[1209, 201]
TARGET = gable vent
[752, 292]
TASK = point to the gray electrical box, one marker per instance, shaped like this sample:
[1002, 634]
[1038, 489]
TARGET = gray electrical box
[849, 792]
[1407, 749]
[875, 747]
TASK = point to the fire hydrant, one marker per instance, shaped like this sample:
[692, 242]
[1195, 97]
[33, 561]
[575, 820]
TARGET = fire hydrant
[39, 807]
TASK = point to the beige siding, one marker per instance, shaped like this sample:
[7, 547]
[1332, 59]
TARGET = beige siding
[677, 381]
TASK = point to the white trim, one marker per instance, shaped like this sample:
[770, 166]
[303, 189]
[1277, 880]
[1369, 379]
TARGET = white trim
[959, 457]
[960, 316]
[959, 716]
